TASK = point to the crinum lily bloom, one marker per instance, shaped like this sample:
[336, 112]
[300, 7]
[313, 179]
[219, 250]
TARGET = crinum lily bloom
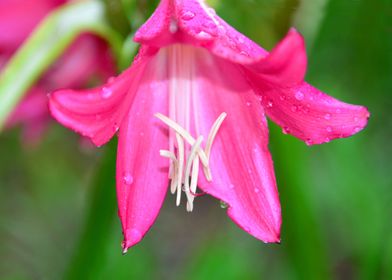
[191, 113]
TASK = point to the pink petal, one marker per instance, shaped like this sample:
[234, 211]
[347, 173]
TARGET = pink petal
[33, 106]
[197, 24]
[286, 63]
[311, 115]
[32, 112]
[155, 31]
[97, 113]
[241, 165]
[142, 174]
[19, 17]
[87, 57]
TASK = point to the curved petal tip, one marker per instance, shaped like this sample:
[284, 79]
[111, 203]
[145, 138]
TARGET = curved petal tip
[131, 238]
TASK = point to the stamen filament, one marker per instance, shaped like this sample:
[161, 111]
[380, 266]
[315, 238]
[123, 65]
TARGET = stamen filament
[187, 181]
[188, 167]
[181, 157]
[185, 134]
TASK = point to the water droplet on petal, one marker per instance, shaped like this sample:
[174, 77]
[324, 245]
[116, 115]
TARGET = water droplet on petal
[111, 80]
[329, 129]
[260, 98]
[127, 178]
[212, 11]
[282, 97]
[286, 130]
[248, 103]
[309, 142]
[356, 119]
[115, 127]
[223, 204]
[173, 27]
[270, 104]
[299, 95]
[231, 186]
[327, 116]
[357, 129]
[294, 108]
[244, 53]
[187, 15]
[106, 92]
[338, 111]
[257, 190]
[327, 140]
[204, 35]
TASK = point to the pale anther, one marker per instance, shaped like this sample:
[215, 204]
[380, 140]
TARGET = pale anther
[184, 176]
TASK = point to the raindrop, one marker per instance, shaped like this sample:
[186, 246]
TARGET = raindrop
[127, 178]
[173, 27]
[299, 95]
[327, 116]
[270, 104]
[111, 80]
[329, 129]
[115, 127]
[282, 97]
[286, 130]
[338, 111]
[106, 93]
[248, 103]
[223, 204]
[187, 15]
[309, 142]
[257, 190]
[231, 186]
[222, 29]
[356, 119]
[357, 129]
[327, 140]
[212, 11]
[294, 108]
[244, 53]
[204, 35]
[260, 98]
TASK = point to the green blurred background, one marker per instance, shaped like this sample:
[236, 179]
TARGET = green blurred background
[58, 215]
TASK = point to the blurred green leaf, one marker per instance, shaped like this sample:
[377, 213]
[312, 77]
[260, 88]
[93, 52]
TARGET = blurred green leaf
[100, 217]
[117, 15]
[45, 45]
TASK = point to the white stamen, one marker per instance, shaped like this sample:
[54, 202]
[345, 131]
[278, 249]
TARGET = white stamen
[192, 160]
[211, 137]
[185, 134]
[181, 157]
[188, 167]
[173, 168]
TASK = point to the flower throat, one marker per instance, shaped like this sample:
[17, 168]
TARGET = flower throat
[186, 152]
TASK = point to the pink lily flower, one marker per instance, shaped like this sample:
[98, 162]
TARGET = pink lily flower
[191, 111]
[86, 58]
